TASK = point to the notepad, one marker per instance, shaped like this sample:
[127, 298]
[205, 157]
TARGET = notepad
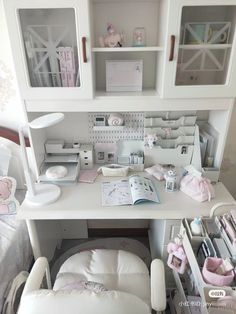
[88, 176]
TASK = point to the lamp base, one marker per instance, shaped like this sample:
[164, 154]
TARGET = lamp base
[45, 194]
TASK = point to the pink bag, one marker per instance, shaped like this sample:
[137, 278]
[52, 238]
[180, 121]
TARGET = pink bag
[197, 187]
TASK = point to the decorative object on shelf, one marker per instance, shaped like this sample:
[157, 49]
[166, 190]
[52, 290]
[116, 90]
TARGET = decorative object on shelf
[150, 140]
[115, 119]
[206, 32]
[139, 37]
[124, 75]
[8, 202]
[177, 258]
[39, 194]
[114, 170]
[171, 184]
[112, 39]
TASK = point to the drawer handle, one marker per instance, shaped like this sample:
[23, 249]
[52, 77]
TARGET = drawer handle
[172, 47]
[84, 49]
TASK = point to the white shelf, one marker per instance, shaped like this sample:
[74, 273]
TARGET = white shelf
[205, 46]
[108, 128]
[128, 49]
[144, 93]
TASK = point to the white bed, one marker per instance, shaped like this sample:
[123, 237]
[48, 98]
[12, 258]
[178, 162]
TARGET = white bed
[15, 249]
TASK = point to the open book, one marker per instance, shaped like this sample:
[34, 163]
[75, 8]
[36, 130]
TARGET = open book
[130, 191]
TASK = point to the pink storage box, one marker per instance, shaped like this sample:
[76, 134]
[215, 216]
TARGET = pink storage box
[210, 266]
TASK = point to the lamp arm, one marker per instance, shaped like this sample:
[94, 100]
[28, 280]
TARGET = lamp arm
[24, 158]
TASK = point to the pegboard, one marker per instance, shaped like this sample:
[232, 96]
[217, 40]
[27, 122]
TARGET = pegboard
[133, 128]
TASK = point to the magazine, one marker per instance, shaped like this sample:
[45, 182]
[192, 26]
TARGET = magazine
[130, 191]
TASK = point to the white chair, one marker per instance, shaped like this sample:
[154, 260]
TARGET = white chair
[125, 275]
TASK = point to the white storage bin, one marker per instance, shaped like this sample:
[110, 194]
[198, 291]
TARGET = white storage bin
[86, 156]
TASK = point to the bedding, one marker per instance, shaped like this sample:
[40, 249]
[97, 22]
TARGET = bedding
[15, 249]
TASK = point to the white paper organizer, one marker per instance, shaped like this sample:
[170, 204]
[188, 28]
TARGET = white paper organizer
[160, 122]
[178, 151]
[171, 133]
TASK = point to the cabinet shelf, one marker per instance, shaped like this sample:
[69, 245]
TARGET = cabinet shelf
[205, 46]
[128, 49]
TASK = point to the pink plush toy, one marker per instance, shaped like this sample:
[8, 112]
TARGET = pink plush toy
[177, 259]
[8, 203]
[112, 39]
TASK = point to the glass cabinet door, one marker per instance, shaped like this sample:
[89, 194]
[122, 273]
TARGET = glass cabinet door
[205, 45]
[50, 44]
[50, 41]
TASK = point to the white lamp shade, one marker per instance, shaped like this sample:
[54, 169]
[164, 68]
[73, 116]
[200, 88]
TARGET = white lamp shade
[46, 120]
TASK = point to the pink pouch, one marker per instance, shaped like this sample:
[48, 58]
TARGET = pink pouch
[199, 188]
[209, 274]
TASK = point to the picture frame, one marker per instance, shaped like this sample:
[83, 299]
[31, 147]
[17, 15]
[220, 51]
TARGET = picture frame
[105, 153]
[177, 261]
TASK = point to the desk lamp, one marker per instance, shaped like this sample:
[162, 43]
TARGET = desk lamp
[39, 193]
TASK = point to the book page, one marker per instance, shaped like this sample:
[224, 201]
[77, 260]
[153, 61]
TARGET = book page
[116, 193]
[142, 189]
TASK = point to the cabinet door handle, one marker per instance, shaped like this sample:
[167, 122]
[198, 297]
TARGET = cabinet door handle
[172, 47]
[84, 49]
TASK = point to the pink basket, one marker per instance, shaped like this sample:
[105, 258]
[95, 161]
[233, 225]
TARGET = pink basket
[209, 275]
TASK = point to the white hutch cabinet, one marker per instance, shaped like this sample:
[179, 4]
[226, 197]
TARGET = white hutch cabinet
[51, 48]
[189, 47]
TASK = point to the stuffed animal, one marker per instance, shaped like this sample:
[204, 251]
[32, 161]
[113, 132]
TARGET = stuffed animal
[8, 203]
[150, 140]
[112, 39]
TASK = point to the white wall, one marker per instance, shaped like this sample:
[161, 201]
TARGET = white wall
[11, 113]
[228, 170]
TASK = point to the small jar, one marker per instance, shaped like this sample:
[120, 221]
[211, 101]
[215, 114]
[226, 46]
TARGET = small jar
[139, 37]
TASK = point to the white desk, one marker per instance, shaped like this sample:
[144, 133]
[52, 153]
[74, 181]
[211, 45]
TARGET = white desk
[83, 201]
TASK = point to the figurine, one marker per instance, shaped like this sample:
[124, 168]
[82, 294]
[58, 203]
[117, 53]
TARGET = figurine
[112, 39]
[150, 140]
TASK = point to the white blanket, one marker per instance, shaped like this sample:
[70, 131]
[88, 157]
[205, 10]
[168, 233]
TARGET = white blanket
[15, 251]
